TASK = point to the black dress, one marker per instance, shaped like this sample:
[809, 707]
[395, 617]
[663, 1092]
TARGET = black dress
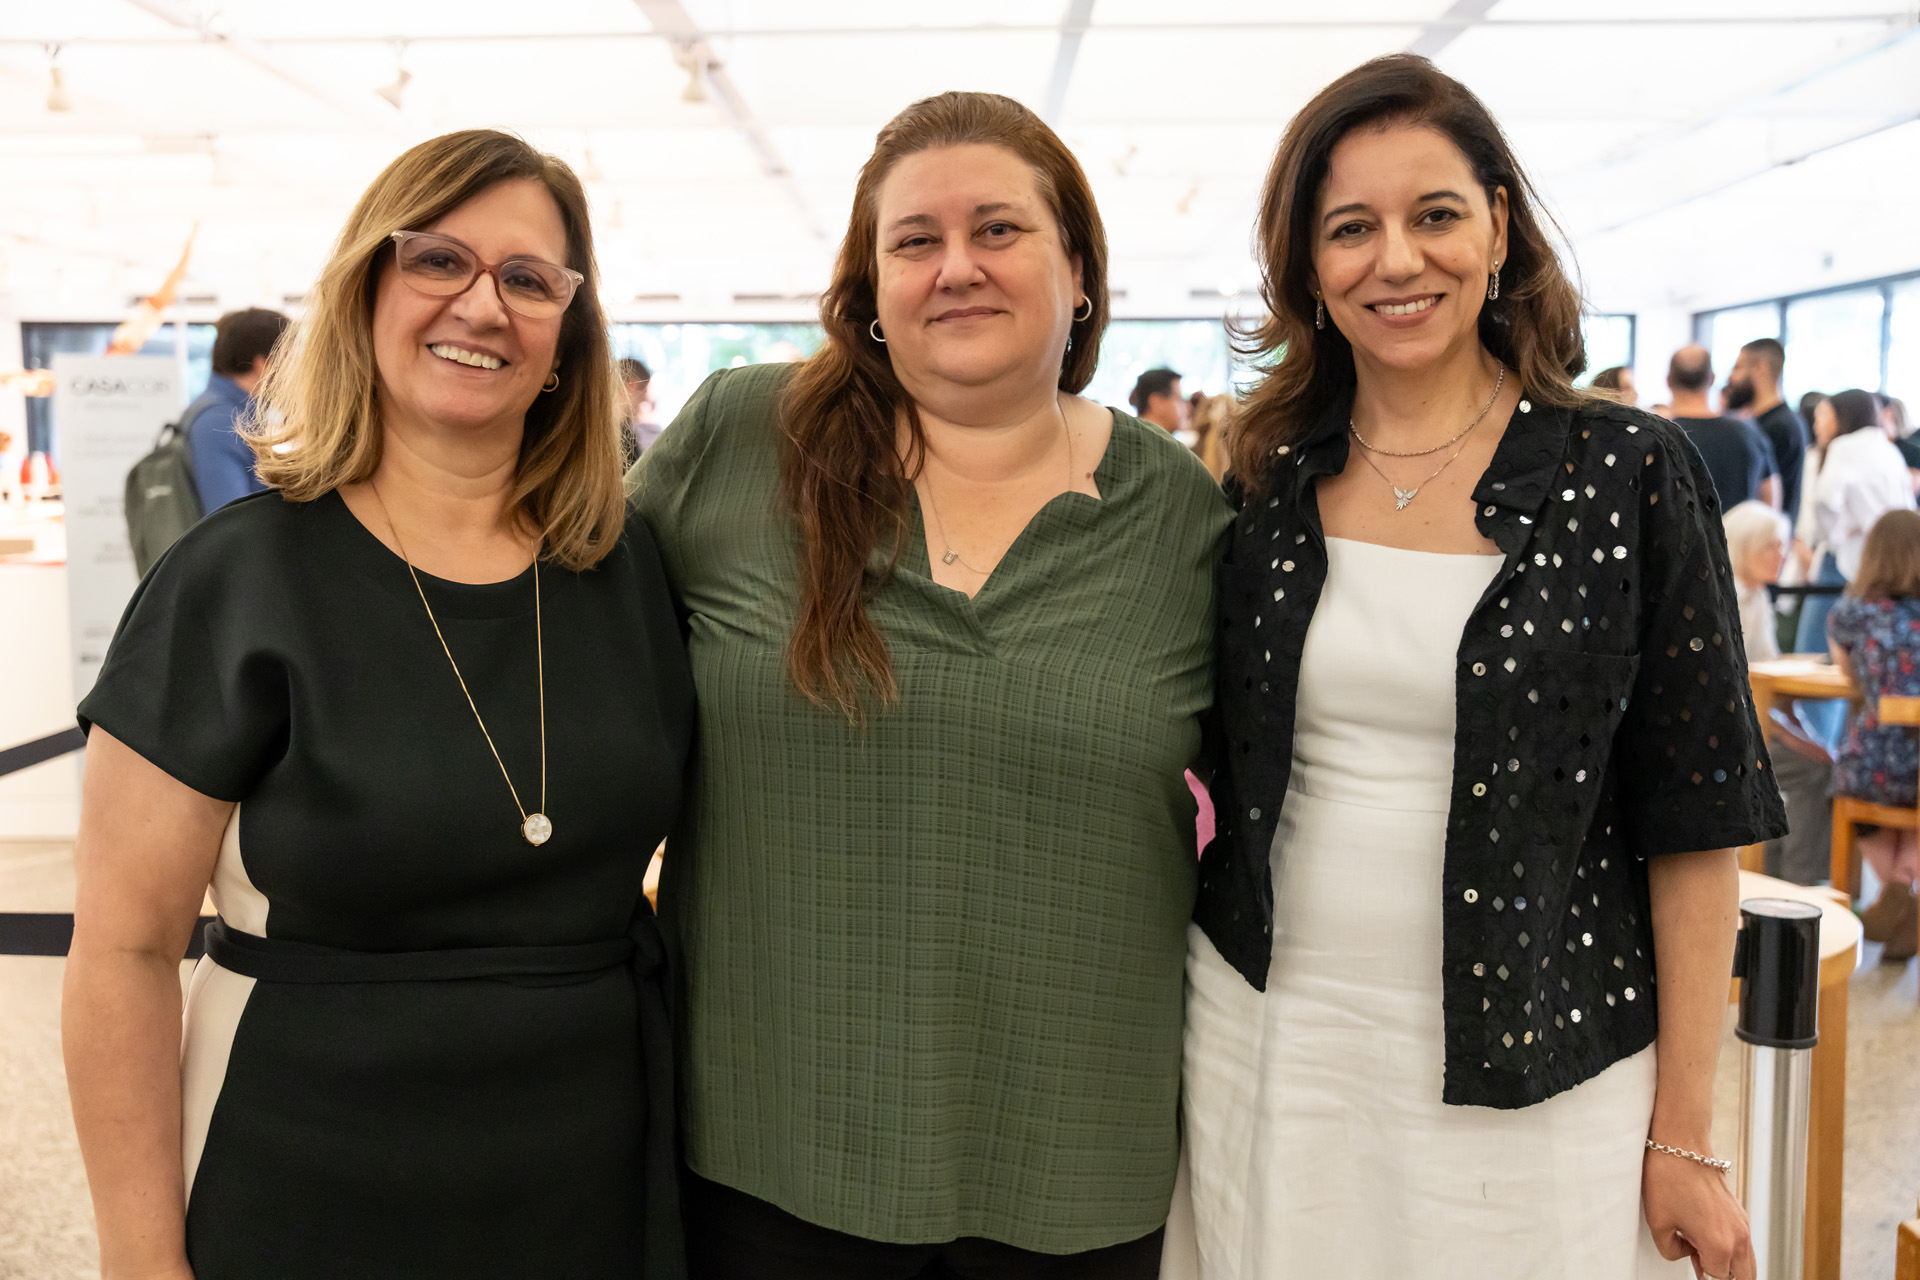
[419, 1045]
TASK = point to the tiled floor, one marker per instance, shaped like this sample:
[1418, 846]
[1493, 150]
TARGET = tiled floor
[46, 1223]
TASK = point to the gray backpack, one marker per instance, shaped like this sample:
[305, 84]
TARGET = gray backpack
[162, 500]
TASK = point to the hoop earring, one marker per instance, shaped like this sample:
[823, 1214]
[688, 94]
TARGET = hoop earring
[553, 381]
[1493, 288]
[1319, 312]
[873, 330]
[1086, 302]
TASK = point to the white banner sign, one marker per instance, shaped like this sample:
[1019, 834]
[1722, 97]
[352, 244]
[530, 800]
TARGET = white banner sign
[107, 411]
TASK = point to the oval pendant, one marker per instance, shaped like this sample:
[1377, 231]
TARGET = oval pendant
[538, 829]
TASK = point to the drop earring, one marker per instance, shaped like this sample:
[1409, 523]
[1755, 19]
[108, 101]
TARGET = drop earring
[1319, 312]
[1493, 286]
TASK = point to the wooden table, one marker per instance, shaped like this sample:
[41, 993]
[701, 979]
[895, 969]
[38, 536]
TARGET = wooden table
[1827, 1123]
[1798, 675]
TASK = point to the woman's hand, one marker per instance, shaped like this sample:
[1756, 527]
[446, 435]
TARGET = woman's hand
[1692, 1213]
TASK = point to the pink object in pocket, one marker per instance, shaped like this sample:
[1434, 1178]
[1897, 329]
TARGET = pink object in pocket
[1203, 820]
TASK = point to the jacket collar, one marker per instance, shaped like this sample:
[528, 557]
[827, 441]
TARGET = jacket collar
[1516, 484]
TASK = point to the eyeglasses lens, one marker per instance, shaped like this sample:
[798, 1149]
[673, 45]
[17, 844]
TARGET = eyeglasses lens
[440, 268]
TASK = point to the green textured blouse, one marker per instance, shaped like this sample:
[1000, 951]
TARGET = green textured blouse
[933, 968]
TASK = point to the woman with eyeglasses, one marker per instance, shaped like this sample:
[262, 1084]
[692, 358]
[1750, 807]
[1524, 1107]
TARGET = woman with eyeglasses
[418, 714]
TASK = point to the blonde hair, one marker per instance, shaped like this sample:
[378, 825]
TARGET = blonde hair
[1750, 527]
[316, 424]
[1212, 420]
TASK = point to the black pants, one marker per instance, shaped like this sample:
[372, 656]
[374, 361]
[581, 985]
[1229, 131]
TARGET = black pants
[733, 1236]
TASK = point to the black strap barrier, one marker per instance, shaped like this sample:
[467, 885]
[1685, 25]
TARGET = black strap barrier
[50, 933]
[40, 750]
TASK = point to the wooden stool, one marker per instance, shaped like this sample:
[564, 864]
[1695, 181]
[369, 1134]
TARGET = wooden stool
[1849, 812]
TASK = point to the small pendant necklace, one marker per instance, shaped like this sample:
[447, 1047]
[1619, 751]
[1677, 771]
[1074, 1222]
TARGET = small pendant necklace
[537, 828]
[1401, 497]
[950, 554]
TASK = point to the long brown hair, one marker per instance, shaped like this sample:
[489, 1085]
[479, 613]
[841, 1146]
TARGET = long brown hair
[1890, 559]
[316, 425]
[841, 467]
[1534, 328]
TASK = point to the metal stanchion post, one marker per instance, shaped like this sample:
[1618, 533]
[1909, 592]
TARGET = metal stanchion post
[1778, 963]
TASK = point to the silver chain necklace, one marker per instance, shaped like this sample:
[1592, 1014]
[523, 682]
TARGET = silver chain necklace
[951, 554]
[1401, 497]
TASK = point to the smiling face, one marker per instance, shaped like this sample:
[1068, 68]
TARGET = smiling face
[974, 288]
[1404, 240]
[467, 362]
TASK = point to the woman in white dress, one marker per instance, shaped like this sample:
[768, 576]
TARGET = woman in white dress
[1486, 746]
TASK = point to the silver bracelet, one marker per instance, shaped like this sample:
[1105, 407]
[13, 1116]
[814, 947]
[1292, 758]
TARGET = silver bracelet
[1695, 1156]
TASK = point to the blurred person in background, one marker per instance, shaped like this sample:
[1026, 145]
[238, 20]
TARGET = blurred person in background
[223, 461]
[637, 432]
[1893, 416]
[1211, 419]
[1856, 476]
[1156, 398]
[1458, 827]
[428, 1037]
[1874, 634]
[1753, 388]
[1617, 384]
[952, 627]
[1808, 403]
[1737, 455]
[1757, 543]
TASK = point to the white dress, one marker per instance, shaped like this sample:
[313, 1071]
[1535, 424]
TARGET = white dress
[1316, 1141]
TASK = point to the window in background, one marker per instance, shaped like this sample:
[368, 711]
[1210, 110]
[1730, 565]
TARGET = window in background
[1833, 342]
[40, 341]
[1610, 342]
[1903, 345]
[680, 356]
[1725, 332]
[1195, 349]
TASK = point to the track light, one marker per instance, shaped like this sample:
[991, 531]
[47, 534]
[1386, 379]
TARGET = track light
[58, 99]
[394, 92]
[695, 66]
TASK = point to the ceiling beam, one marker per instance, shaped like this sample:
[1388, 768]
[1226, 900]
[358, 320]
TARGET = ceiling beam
[670, 19]
[257, 55]
[1460, 16]
[1073, 28]
[1805, 75]
[1200, 26]
[1894, 122]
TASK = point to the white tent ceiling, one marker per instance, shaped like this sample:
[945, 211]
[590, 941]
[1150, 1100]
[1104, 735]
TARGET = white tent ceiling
[1666, 134]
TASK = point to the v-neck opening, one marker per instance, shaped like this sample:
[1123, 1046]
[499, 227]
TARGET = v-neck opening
[921, 561]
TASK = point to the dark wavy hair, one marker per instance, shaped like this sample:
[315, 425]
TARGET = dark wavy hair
[1534, 328]
[841, 467]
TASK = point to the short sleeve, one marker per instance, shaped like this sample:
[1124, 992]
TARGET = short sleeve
[1846, 623]
[658, 484]
[1692, 766]
[191, 682]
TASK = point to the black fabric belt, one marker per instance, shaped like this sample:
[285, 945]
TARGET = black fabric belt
[281, 960]
[642, 951]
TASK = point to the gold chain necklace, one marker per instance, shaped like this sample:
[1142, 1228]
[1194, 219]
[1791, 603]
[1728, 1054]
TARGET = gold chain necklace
[951, 554]
[536, 827]
[1401, 497]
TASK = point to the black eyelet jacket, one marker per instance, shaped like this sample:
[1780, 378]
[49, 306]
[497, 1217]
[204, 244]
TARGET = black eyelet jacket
[1603, 717]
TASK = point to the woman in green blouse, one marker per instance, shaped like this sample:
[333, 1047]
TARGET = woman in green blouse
[951, 628]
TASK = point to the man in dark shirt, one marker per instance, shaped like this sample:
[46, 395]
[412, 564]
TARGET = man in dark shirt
[1738, 457]
[222, 460]
[1753, 387]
